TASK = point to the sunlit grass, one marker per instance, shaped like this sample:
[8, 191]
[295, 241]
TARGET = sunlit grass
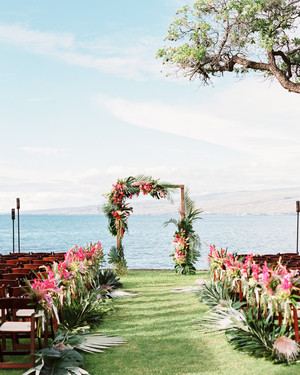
[162, 337]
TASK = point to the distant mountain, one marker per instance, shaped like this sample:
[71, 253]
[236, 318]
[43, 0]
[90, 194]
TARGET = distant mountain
[268, 202]
[84, 210]
[261, 202]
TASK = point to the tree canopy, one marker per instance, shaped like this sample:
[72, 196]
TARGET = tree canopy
[210, 37]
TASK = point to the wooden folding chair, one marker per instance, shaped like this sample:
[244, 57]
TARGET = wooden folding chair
[17, 291]
[6, 283]
[12, 328]
[23, 271]
[17, 276]
[12, 261]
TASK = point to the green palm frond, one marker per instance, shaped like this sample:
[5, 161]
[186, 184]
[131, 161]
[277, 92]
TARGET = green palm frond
[83, 312]
[58, 362]
[215, 293]
[96, 343]
[113, 255]
[106, 279]
[260, 337]
[88, 342]
[189, 203]
[190, 206]
[143, 178]
[168, 188]
[171, 221]
[224, 318]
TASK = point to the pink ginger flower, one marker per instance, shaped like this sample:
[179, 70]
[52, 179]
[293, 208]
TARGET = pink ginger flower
[265, 276]
[286, 283]
[256, 271]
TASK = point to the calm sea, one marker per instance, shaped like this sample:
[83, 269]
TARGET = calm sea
[148, 243]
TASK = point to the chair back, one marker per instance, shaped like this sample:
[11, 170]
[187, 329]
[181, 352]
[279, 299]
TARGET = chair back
[6, 283]
[17, 291]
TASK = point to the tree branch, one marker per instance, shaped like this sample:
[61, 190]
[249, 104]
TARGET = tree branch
[286, 60]
[282, 79]
[251, 64]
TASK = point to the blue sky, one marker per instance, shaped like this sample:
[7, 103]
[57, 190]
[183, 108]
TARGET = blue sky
[84, 102]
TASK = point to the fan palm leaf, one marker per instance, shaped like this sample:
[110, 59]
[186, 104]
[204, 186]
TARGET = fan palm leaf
[216, 293]
[224, 318]
[58, 362]
[88, 342]
[96, 343]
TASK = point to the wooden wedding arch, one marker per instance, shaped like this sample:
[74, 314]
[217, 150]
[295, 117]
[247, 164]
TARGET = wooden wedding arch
[117, 208]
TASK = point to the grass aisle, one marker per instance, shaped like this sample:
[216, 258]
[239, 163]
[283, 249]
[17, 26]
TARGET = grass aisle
[162, 339]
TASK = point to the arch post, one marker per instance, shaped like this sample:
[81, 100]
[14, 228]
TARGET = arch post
[182, 206]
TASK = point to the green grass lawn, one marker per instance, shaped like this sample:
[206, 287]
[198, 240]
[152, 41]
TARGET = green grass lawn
[162, 337]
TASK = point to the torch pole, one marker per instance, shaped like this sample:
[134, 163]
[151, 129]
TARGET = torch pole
[297, 210]
[18, 209]
[13, 216]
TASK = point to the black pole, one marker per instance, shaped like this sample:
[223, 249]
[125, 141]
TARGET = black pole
[18, 208]
[297, 210]
[13, 216]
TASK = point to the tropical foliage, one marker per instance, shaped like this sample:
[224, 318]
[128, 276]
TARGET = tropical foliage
[216, 293]
[250, 331]
[117, 210]
[63, 358]
[186, 240]
[73, 292]
[253, 305]
[274, 289]
[83, 312]
[106, 280]
[69, 277]
[210, 37]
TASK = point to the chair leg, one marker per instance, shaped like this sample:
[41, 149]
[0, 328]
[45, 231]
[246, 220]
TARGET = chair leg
[296, 325]
[32, 347]
[3, 345]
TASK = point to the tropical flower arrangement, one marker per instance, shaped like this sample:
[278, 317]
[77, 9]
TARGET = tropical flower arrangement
[181, 246]
[73, 293]
[118, 211]
[79, 267]
[272, 288]
[255, 304]
[186, 243]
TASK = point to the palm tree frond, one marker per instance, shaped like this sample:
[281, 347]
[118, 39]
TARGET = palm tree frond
[171, 221]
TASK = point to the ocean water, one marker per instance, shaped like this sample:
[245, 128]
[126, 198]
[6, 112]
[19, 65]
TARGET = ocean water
[148, 243]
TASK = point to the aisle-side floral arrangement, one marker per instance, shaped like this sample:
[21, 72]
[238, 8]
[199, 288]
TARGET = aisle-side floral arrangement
[72, 275]
[73, 293]
[272, 288]
[254, 304]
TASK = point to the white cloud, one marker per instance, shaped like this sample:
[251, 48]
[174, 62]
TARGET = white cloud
[39, 189]
[135, 61]
[43, 150]
[246, 118]
[34, 40]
